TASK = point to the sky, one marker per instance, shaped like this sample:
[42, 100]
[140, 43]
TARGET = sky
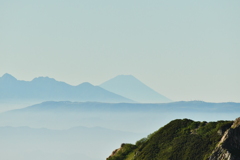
[185, 50]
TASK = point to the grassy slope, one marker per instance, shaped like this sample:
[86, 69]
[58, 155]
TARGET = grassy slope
[178, 140]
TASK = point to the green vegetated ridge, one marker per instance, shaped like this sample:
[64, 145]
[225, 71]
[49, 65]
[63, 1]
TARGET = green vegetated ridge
[178, 140]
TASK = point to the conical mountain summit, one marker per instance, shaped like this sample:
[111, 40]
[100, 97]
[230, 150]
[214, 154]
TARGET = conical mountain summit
[130, 87]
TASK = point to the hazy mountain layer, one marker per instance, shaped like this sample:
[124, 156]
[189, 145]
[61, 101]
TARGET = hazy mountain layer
[182, 106]
[81, 142]
[25, 143]
[186, 140]
[130, 87]
[48, 89]
[119, 116]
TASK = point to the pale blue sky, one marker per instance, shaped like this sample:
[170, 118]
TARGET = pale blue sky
[185, 50]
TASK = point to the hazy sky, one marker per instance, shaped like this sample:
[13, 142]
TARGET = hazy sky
[185, 50]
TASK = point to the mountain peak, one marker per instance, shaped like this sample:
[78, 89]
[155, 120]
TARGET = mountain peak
[123, 80]
[125, 77]
[85, 84]
[49, 89]
[8, 77]
[43, 79]
[130, 87]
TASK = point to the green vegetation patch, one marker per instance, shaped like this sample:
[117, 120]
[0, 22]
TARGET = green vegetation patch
[126, 152]
[178, 140]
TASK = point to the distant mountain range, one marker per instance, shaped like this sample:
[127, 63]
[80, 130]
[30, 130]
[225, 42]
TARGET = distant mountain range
[48, 89]
[119, 89]
[125, 116]
[182, 106]
[130, 87]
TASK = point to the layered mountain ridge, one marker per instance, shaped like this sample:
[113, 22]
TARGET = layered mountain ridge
[120, 116]
[122, 88]
[48, 89]
[182, 106]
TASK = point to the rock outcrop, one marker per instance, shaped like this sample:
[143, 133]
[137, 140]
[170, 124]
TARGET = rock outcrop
[229, 146]
[116, 151]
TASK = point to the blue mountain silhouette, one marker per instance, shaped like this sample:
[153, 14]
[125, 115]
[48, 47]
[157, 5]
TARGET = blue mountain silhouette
[48, 89]
[130, 87]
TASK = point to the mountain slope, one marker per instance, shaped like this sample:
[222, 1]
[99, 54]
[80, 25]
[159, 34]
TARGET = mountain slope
[186, 140]
[48, 89]
[130, 87]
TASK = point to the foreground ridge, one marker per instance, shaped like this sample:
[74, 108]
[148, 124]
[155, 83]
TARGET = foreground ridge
[185, 139]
